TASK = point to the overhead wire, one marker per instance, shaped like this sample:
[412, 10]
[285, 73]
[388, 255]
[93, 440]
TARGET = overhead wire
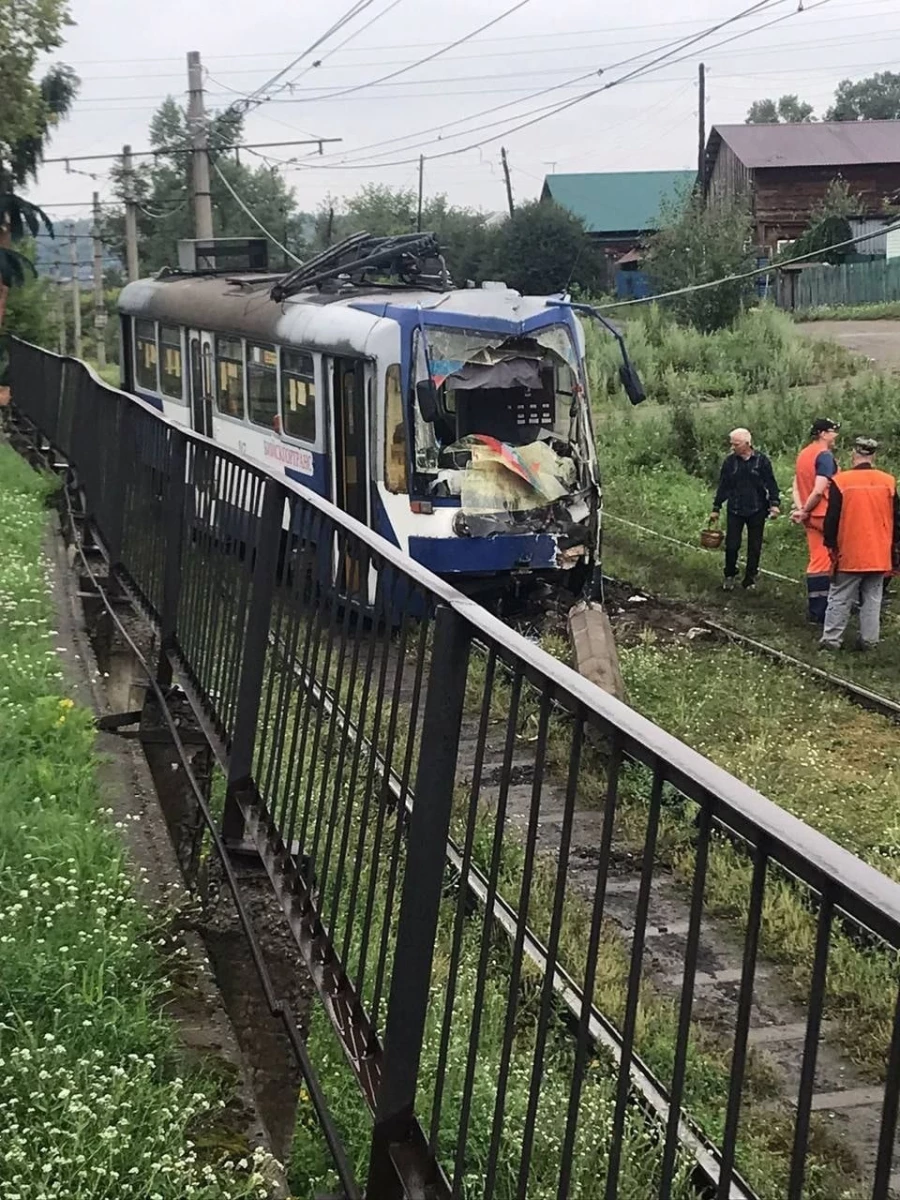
[249, 212]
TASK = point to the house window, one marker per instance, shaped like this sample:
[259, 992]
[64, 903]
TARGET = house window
[171, 376]
[145, 357]
[394, 433]
[298, 395]
[230, 377]
[262, 384]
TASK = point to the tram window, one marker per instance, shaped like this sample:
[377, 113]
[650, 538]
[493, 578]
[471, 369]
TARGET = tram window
[394, 432]
[262, 384]
[298, 395]
[145, 357]
[230, 377]
[171, 369]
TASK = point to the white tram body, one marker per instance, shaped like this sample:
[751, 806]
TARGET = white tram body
[495, 480]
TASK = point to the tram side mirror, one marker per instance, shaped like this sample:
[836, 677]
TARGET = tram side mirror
[426, 395]
[631, 382]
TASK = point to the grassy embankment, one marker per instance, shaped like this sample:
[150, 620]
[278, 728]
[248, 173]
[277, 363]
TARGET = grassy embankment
[95, 1098]
[811, 751]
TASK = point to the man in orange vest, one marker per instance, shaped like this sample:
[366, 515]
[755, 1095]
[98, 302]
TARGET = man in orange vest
[816, 466]
[862, 532]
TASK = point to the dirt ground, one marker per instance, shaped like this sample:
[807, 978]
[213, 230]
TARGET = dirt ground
[879, 341]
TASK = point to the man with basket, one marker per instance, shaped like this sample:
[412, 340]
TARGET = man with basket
[748, 486]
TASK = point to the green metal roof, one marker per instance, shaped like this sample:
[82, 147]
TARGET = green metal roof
[617, 201]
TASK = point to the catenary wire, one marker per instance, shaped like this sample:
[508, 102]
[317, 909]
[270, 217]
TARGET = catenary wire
[249, 212]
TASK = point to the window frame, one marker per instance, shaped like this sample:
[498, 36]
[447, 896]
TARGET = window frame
[388, 421]
[160, 325]
[276, 416]
[241, 419]
[309, 443]
[138, 339]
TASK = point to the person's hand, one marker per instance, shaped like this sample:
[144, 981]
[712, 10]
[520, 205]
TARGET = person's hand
[774, 510]
[713, 517]
[798, 516]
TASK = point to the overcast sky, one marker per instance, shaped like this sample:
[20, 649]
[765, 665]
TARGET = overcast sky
[131, 56]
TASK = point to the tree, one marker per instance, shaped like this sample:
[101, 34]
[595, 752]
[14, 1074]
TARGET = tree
[789, 109]
[162, 189]
[543, 249]
[876, 98]
[29, 110]
[828, 225]
[698, 244]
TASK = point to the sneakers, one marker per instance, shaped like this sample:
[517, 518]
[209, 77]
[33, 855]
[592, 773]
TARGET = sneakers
[728, 584]
[828, 648]
[748, 584]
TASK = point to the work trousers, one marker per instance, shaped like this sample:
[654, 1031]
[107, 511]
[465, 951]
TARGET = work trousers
[734, 532]
[818, 572]
[849, 588]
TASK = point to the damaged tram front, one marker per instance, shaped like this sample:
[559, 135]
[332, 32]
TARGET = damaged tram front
[504, 486]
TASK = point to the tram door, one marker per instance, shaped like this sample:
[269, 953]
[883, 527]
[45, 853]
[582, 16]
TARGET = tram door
[348, 377]
[201, 382]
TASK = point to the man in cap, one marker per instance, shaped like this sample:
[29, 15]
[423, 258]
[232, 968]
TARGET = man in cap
[747, 485]
[862, 532]
[816, 467]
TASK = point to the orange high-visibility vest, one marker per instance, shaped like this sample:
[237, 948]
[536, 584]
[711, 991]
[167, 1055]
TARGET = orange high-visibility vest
[866, 528]
[805, 471]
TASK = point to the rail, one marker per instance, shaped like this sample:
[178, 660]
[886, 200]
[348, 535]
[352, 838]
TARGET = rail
[416, 777]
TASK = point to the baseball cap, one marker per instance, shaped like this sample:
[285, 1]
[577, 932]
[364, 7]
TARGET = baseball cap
[824, 425]
[865, 445]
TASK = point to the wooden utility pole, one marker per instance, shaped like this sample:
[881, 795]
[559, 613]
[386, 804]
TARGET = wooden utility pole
[196, 115]
[509, 195]
[421, 191]
[131, 237]
[701, 151]
[76, 292]
[59, 305]
[99, 302]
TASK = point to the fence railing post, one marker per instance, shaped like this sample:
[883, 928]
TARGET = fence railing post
[253, 662]
[423, 882]
[174, 520]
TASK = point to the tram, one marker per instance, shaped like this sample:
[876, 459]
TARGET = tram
[454, 422]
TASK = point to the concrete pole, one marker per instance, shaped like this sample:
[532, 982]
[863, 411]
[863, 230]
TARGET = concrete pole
[99, 302]
[132, 267]
[509, 195]
[203, 218]
[59, 305]
[76, 293]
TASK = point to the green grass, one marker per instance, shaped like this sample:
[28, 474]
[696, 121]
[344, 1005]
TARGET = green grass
[679, 364]
[95, 1097]
[885, 310]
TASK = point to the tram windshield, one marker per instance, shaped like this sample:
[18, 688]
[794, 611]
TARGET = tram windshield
[505, 430]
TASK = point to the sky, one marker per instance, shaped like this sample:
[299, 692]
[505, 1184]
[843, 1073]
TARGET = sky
[130, 57]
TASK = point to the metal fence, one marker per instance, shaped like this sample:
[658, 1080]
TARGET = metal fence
[471, 843]
[873, 282]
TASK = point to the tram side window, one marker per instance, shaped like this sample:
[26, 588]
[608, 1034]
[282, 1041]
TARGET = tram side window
[262, 384]
[298, 395]
[394, 432]
[230, 377]
[171, 362]
[145, 358]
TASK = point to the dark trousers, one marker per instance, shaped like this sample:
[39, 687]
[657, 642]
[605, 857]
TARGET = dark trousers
[734, 533]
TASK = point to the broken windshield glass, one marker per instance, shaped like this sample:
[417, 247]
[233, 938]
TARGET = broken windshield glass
[506, 434]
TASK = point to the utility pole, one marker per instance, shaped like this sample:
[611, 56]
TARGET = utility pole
[203, 218]
[59, 305]
[76, 292]
[131, 238]
[99, 302]
[701, 151]
[509, 195]
[421, 191]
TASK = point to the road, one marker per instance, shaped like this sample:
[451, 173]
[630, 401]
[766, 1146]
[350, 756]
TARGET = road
[877, 340]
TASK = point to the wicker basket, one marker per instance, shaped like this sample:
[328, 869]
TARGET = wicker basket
[711, 539]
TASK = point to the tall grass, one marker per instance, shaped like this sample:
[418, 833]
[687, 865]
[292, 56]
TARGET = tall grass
[761, 351]
[95, 1097]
